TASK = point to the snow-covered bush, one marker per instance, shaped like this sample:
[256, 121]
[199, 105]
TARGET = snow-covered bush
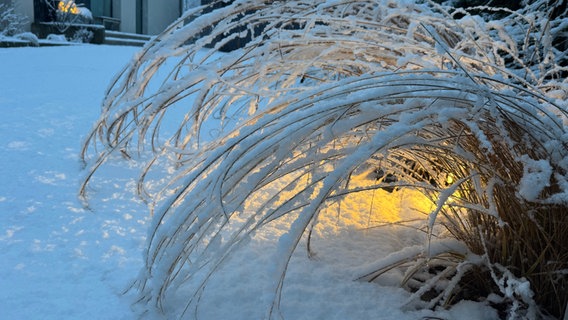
[11, 23]
[467, 111]
[82, 35]
[29, 37]
[539, 29]
[67, 14]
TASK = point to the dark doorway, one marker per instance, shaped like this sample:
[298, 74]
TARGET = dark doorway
[44, 10]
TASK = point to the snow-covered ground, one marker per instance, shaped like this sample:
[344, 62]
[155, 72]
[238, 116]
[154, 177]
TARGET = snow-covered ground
[60, 260]
[57, 259]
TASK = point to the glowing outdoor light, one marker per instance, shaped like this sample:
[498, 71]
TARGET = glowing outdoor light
[68, 6]
[450, 179]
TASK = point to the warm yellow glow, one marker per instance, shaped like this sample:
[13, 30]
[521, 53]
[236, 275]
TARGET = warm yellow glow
[401, 205]
[376, 207]
[68, 6]
[366, 208]
[449, 179]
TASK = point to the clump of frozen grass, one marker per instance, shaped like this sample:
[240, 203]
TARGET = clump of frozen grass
[322, 90]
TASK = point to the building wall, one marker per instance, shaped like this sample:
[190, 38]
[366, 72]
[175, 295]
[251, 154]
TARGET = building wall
[25, 8]
[139, 16]
[160, 14]
[188, 4]
[127, 14]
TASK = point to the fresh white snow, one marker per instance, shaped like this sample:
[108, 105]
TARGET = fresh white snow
[57, 259]
[62, 260]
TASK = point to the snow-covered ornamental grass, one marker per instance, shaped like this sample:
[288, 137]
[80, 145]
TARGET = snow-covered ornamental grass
[468, 109]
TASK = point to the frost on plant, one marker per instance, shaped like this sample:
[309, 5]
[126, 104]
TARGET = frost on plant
[11, 23]
[465, 109]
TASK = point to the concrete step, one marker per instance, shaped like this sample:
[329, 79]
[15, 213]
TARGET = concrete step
[125, 39]
[124, 42]
[127, 35]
